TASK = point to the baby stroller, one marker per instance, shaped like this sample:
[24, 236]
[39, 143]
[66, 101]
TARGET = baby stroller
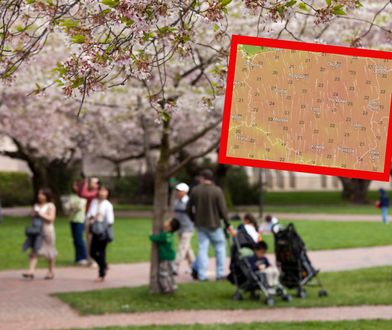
[293, 262]
[244, 278]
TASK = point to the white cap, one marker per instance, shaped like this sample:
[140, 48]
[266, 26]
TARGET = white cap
[182, 187]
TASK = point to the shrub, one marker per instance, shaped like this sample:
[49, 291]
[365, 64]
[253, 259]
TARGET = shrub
[131, 189]
[15, 189]
[239, 187]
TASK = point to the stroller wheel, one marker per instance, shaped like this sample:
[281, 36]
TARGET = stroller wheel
[270, 301]
[237, 296]
[254, 296]
[287, 298]
[323, 293]
[301, 293]
[279, 292]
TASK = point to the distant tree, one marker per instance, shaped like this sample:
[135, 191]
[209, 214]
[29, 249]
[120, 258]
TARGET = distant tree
[355, 190]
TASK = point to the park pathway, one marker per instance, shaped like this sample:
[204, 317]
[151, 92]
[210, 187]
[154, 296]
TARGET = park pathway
[25, 211]
[27, 305]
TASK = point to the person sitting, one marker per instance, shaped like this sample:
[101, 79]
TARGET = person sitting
[270, 222]
[167, 255]
[261, 265]
[250, 225]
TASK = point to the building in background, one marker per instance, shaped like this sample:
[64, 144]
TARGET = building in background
[274, 180]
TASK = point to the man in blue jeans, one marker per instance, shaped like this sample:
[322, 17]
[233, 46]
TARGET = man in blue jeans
[207, 208]
[76, 208]
[384, 205]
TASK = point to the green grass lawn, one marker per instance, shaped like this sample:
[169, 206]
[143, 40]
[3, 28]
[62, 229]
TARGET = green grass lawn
[310, 198]
[132, 207]
[348, 209]
[131, 242]
[284, 208]
[132, 245]
[360, 287]
[297, 202]
[341, 325]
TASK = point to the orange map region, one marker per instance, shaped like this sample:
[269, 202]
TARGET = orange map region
[310, 108]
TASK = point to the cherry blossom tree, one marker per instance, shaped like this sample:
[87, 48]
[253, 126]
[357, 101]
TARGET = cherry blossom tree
[175, 51]
[53, 141]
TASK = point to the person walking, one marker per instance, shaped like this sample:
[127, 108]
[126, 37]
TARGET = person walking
[89, 191]
[186, 230]
[76, 208]
[101, 218]
[384, 205]
[206, 208]
[45, 210]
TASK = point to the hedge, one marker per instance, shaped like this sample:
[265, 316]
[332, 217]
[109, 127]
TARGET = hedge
[15, 189]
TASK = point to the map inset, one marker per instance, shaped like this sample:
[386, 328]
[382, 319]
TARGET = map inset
[310, 108]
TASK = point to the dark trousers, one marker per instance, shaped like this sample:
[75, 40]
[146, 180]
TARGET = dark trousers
[77, 230]
[98, 253]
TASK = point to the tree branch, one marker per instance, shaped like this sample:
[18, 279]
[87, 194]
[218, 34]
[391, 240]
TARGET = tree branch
[194, 138]
[11, 154]
[139, 155]
[191, 158]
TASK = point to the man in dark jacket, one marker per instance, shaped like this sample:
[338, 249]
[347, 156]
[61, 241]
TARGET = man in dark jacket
[207, 208]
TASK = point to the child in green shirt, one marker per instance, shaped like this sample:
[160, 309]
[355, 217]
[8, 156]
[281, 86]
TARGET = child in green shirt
[167, 254]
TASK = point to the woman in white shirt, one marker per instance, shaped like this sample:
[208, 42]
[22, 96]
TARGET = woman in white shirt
[250, 224]
[101, 210]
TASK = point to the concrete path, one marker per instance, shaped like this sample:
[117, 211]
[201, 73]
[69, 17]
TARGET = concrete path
[329, 217]
[25, 211]
[27, 305]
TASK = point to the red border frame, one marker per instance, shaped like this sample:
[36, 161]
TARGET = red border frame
[286, 44]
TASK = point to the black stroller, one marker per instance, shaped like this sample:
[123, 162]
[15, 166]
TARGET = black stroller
[296, 270]
[244, 278]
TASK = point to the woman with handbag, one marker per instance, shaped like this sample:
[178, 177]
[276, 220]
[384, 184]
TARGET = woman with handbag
[100, 217]
[45, 210]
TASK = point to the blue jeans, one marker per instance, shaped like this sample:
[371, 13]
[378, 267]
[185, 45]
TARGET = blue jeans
[217, 238]
[77, 230]
[384, 213]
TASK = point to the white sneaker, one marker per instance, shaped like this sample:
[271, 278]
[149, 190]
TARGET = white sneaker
[83, 262]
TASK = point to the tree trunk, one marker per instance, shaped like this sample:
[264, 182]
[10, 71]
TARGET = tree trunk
[221, 181]
[161, 191]
[147, 145]
[56, 175]
[117, 170]
[60, 176]
[40, 178]
[355, 190]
